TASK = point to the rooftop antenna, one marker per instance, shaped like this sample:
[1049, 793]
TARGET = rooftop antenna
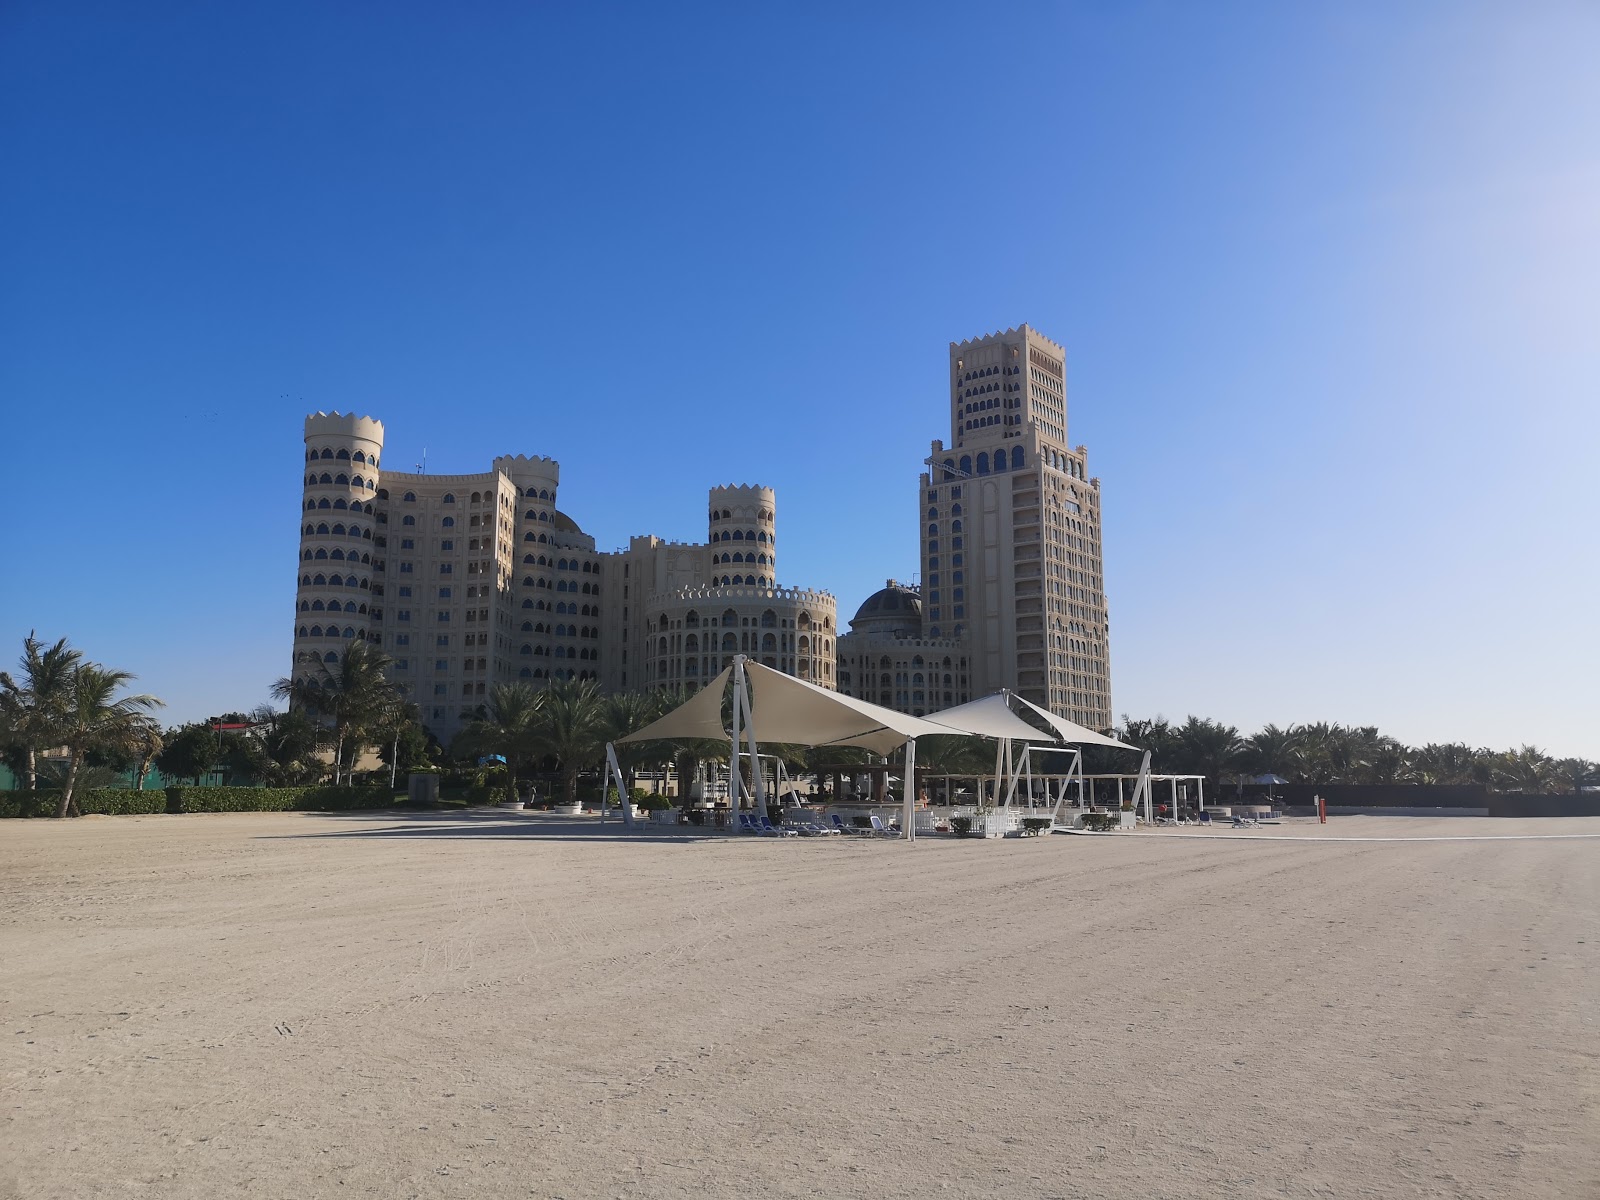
[422, 467]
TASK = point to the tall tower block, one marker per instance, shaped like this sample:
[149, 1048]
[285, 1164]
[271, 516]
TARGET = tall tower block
[1011, 552]
[743, 535]
[334, 599]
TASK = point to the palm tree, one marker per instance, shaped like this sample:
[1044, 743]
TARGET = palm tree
[1529, 770]
[1273, 751]
[352, 693]
[1208, 748]
[34, 705]
[508, 726]
[93, 719]
[146, 741]
[1448, 763]
[629, 712]
[572, 728]
[1577, 773]
[1155, 735]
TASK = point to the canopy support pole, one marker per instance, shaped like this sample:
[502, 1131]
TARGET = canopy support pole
[757, 774]
[908, 820]
[614, 771]
[1142, 786]
[734, 782]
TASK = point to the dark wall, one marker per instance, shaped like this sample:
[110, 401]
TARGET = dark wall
[1584, 805]
[1360, 795]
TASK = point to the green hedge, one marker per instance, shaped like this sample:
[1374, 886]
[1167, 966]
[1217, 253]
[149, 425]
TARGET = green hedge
[114, 802]
[303, 799]
[125, 801]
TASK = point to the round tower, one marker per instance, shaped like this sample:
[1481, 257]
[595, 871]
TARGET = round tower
[334, 599]
[743, 535]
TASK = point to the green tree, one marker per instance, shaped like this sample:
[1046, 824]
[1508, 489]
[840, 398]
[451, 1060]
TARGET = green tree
[510, 726]
[1575, 774]
[1273, 751]
[148, 741]
[33, 705]
[1208, 748]
[190, 751]
[572, 729]
[94, 717]
[352, 694]
[1528, 770]
[1443, 763]
[290, 741]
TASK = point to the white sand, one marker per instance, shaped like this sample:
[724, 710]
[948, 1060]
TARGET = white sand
[316, 1006]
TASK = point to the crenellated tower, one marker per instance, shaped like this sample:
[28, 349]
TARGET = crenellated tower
[743, 535]
[334, 600]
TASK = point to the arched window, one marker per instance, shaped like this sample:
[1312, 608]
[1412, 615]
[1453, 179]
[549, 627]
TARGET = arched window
[330, 656]
[344, 454]
[408, 519]
[955, 510]
[341, 477]
[317, 606]
[544, 517]
[966, 464]
[1016, 458]
[321, 554]
[409, 498]
[340, 503]
[983, 463]
[543, 495]
[527, 559]
[447, 498]
[955, 525]
[448, 522]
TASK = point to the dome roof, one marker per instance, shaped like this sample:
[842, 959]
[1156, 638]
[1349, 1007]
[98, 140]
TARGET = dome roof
[895, 608]
[565, 524]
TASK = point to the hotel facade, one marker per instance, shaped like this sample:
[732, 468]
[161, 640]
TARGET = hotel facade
[469, 580]
[1013, 586]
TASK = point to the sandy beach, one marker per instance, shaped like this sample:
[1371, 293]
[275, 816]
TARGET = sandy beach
[499, 1005]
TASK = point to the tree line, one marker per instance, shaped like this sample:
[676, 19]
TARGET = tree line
[58, 700]
[1323, 753]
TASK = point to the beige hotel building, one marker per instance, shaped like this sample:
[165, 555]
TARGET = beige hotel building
[469, 580]
[1013, 590]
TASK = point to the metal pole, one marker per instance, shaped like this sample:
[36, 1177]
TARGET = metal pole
[908, 822]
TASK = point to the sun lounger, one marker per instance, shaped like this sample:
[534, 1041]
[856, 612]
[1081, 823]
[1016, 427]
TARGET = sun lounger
[771, 830]
[838, 824]
[881, 829]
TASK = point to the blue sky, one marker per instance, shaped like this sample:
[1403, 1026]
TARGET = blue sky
[1328, 277]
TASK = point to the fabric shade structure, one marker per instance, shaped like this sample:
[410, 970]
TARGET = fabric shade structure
[700, 716]
[787, 709]
[1071, 731]
[990, 717]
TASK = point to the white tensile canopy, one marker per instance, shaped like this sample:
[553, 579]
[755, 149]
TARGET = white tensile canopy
[1071, 731]
[700, 716]
[791, 710]
[785, 709]
[990, 717]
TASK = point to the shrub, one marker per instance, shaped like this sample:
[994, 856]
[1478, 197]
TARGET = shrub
[110, 802]
[29, 804]
[961, 826]
[306, 799]
[117, 802]
[651, 803]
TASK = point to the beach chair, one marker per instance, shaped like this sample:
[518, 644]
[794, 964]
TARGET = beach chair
[771, 830]
[882, 830]
[1204, 819]
[838, 824]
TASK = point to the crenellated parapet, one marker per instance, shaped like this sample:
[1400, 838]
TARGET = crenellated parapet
[530, 471]
[801, 596]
